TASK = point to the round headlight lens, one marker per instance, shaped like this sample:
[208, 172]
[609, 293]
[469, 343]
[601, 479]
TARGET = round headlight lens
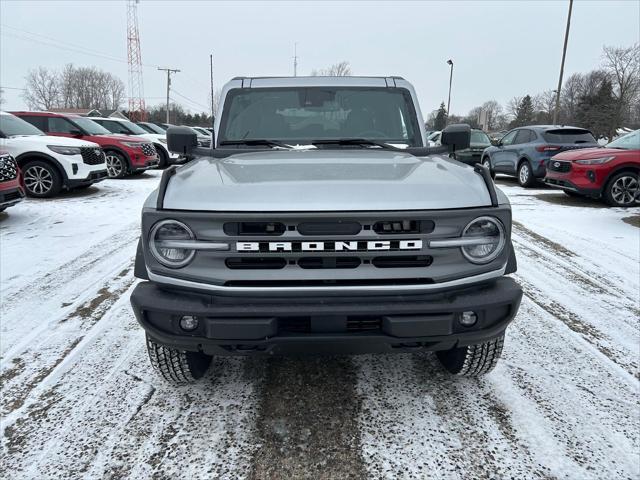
[488, 232]
[163, 234]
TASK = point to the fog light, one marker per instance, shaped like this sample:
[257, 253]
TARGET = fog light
[188, 323]
[468, 319]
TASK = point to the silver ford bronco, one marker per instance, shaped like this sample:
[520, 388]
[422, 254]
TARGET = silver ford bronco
[320, 221]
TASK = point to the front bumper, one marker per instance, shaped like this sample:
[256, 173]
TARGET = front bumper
[353, 324]
[150, 162]
[94, 177]
[585, 180]
[10, 196]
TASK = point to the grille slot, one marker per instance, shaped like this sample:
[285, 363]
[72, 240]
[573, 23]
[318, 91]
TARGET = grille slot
[329, 262]
[8, 169]
[295, 324]
[255, 263]
[148, 149]
[403, 226]
[92, 155]
[254, 228]
[559, 166]
[329, 228]
[329, 283]
[405, 261]
[363, 324]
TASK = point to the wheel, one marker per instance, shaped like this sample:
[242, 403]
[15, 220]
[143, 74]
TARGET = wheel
[472, 360]
[176, 366]
[525, 175]
[41, 179]
[164, 158]
[116, 165]
[622, 190]
[486, 162]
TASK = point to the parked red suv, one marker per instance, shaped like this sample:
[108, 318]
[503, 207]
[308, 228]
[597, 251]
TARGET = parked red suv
[11, 187]
[125, 156]
[610, 173]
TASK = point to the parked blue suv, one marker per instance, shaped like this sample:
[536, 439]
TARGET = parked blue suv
[525, 151]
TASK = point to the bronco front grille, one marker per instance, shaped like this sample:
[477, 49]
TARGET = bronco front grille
[148, 149]
[92, 155]
[8, 168]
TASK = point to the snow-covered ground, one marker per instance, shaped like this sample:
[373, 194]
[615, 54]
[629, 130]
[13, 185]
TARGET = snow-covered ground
[79, 399]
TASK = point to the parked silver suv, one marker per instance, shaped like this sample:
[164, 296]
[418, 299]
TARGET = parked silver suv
[321, 221]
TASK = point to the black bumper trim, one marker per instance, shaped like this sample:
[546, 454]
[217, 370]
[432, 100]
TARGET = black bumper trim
[93, 177]
[10, 197]
[243, 325]
[567, 185]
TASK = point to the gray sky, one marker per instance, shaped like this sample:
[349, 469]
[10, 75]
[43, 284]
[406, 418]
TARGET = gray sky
[500, 49]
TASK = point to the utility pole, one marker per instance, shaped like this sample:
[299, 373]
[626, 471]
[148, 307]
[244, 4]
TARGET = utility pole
[564, 54]
[450, 62]
[169, 72]
[295, 59]
[213, 113]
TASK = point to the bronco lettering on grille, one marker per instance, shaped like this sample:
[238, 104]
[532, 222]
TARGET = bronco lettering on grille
[338, 246]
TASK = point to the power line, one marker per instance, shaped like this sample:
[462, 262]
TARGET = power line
[189, 99]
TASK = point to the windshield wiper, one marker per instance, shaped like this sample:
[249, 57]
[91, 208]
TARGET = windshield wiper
[355, 141]
[256, 141]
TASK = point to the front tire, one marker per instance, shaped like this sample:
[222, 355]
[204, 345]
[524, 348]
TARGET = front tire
[117, 166]
[472, 360]
[486, 162]
[177, 366]
[41, 179]
[622, 190]
[164, 158]
[525, 175]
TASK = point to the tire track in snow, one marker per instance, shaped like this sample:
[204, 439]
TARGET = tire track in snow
[307, 425]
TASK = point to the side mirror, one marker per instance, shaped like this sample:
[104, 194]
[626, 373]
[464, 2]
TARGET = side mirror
[456, 137]
[181, 140]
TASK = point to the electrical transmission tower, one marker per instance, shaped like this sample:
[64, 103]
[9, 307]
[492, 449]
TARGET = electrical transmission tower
[137, 109]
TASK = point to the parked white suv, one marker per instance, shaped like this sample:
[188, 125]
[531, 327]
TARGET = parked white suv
[125, 127]
[50, 164]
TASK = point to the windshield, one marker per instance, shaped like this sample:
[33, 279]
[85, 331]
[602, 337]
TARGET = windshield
[151, 128]
[135, 129]
[11, 125]
[89, 126]
[630, 141]
[480, 137]
[569, 135]
[300, 115]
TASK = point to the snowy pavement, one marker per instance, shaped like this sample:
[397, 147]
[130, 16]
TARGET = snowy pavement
[79, 399]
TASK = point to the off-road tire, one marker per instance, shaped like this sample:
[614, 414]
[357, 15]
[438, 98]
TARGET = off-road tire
[41, 179]
[472, 360]
[528, 180]
[621, 189]
[177, 366]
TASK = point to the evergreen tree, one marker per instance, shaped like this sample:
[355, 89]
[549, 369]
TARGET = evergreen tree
[525, 113]
[441, 118]
[596, 111]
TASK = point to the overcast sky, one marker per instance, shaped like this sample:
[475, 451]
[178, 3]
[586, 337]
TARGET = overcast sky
[500, 49]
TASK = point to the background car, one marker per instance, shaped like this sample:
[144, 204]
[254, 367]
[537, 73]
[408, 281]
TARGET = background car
[610, 172]
[472, 155]
[11, 188]
[125, 127]
[434, 138]
[203, 139]
[123, 156]
[525, 151]
[151, 127]
[50, 164]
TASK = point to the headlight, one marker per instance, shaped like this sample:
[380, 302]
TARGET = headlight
[62, 150]
[484, 238]
[595, 161]
[133, 144]
[162, 140]
[164, 241]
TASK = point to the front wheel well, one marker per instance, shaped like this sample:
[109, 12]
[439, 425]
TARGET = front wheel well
[25, 158]
[521, 161]
[631, 169]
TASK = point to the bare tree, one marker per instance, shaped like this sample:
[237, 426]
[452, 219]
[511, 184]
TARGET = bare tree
[216, 100]
[513, 106]
[494, 113]
[42, 89]
[544, 104]
[623, 66]
[570, 98]
[342, 69]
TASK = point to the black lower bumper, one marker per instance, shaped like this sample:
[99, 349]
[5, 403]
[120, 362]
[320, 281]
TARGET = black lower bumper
[93, 177]
[10, 197]
[567, 185]
[235, 325]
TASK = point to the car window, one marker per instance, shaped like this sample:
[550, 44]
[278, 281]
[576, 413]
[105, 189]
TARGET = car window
[569, 135]
[479, 137]
[114, 127]
[523, 136]
[11, 125]
[61, 125]
[509, 137]
[38, 121]
[630, 141]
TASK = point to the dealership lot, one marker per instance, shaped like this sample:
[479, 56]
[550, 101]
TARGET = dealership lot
[79, 398]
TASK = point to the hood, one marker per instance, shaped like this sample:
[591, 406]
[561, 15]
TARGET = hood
[48, 140]
[153, 137]
[586, 153]
[324, 180]
[116, 137]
